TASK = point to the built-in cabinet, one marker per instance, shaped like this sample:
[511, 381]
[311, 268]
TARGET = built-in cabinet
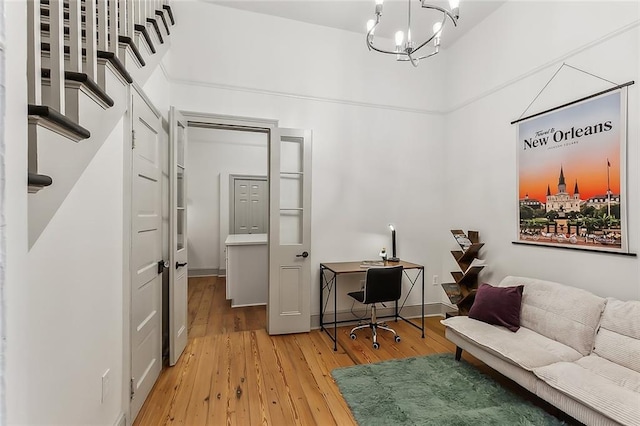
[247, 269]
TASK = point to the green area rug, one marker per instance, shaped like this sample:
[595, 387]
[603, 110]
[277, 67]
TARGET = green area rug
[432, 390]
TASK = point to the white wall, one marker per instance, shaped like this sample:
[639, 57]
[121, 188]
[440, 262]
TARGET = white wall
[73, 332]
[3, 225]
[249, 51]
[212, 152]
[17, 294]
[374, 161]
[512, 55]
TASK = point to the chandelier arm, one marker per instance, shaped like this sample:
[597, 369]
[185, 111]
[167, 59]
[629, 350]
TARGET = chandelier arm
[444, 20]
[429, 55]
[414, 62]
[388, 52]
[425, 43]
[371, 31]
[443, 10]
[409, 21]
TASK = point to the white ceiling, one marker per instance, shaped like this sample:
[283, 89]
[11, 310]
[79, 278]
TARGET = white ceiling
[352, 15]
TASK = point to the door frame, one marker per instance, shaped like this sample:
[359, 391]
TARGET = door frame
[127, 211]
[236, 123]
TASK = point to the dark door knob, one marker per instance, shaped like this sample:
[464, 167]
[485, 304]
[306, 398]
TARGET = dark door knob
[180, 265]
[304, 254]
[162, 265]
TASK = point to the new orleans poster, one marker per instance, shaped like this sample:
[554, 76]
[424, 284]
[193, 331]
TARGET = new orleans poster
[571, 168]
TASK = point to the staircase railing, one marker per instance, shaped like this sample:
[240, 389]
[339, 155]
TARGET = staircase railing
[67, 40]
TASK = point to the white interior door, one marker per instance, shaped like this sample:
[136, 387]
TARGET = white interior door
[146, 252]
[289, 307]
[177, 236]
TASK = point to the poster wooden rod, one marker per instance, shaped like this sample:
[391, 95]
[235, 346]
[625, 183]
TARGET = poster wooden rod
[619, 253]
[619, 86]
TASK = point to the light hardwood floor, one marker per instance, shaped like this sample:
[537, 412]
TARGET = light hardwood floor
[233, 373]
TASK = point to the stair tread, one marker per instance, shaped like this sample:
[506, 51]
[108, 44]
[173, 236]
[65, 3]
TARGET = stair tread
[83, 78]
[61, 120]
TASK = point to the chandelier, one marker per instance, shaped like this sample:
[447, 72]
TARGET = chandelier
[409, 50]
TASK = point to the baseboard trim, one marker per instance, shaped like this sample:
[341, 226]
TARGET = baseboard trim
[430, 310]
[247, 305]
[203, 272]
[122, 421]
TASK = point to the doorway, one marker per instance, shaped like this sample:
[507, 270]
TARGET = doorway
[228, 212]
[289, 230]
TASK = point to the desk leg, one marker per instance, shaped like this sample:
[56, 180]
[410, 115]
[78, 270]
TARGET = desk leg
[422, 302]
[321, 298]
[335, 314]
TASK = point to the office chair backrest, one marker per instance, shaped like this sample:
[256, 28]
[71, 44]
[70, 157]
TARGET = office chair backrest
[383, 284]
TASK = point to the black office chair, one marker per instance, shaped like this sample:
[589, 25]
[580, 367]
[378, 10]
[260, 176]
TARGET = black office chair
[380, 285]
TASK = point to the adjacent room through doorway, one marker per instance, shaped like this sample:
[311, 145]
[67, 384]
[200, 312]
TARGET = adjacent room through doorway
[228, 215]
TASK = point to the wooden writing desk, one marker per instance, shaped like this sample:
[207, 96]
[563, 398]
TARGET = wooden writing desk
[329, 273]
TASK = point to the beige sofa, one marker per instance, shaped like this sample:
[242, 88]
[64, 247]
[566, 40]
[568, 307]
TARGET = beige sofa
[578, 351]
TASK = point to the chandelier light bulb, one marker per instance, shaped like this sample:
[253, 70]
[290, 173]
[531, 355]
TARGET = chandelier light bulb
[454, 5]
[399, 38]
[437, 28]
[370, 24]
[379, 7]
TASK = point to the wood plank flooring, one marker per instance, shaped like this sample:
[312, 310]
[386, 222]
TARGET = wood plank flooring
[233, 373]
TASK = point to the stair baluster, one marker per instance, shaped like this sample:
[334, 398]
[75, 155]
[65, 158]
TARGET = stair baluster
[75, 37]
[91, 58]
[56, 56]
[113, 30]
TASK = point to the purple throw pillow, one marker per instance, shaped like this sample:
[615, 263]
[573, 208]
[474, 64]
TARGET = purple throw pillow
[498, 306]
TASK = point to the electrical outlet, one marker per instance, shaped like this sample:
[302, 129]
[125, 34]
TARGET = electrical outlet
[435, 280]
[106, 378]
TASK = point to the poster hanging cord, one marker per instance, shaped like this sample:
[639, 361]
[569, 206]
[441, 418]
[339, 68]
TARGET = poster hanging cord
[564, 64]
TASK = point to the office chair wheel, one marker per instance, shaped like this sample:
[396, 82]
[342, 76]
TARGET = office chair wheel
[376, 345]
[397, 339]
[353, 336]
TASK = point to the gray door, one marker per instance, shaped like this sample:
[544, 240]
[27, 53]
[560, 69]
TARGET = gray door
[250, 201]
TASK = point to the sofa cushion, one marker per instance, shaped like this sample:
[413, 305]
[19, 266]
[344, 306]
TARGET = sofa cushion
[525, 348]
[618, 338]
[599, 384]
[567, 314]
[618, 374]
[498, 306]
